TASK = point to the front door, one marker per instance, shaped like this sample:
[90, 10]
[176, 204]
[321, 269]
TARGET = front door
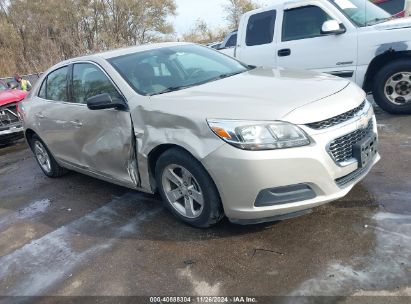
[302, 45]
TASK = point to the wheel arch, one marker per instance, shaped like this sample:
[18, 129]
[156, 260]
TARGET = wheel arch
[155, 154]
[380, 61]
[28, 134]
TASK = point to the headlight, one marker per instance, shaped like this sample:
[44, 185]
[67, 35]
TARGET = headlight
[259, 135]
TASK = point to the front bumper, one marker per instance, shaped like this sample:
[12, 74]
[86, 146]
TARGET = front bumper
[11, 132]
[241, 175]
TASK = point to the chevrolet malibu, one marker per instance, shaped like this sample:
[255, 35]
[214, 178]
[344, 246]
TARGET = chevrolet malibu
[213, 136]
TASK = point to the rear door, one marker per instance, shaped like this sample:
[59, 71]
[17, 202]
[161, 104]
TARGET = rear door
[256, 44]
[51, 114]
[302, 45]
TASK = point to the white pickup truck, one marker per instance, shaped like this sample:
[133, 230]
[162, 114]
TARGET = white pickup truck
[354, 39]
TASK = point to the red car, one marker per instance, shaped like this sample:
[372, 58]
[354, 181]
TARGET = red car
[10, 125]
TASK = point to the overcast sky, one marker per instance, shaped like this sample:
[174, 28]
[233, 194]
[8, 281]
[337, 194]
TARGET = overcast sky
[209, 10]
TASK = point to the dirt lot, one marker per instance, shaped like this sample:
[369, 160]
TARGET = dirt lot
[81, 236]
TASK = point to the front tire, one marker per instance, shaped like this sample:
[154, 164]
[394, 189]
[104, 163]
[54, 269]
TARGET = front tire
[45, 160]
[392, 87]
[187, 189]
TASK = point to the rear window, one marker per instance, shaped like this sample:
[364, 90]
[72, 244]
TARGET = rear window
[260, 28]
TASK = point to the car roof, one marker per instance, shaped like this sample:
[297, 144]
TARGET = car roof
[129, 50]
[276, 3]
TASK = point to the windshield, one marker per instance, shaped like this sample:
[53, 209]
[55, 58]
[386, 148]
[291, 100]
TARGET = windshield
[3, 86]
[174, 68]
[362, 12]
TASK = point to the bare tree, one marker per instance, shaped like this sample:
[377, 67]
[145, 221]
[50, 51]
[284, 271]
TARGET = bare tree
[201, 33]
[236, 8]
[36, 34]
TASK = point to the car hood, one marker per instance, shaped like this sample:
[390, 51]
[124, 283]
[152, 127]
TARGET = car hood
[10, 96]
[394, 24]
[264, 94]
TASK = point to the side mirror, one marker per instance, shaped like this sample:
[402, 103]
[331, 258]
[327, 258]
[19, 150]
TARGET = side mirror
[104, 101]
[332, 27]
[12, 85]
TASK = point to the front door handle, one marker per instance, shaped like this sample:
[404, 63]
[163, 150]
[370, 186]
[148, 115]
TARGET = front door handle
[284, 52]
[76, 123]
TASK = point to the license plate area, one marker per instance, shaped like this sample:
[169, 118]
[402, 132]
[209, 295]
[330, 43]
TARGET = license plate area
[365, 150]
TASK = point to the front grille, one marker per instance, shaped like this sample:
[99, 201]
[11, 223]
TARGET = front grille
[350, 178]
[8, 115]
[330, 122]
[341, 149]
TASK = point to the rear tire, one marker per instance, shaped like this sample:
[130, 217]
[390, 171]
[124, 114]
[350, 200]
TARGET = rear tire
[392, 87]
[187, 189]
[45, 159]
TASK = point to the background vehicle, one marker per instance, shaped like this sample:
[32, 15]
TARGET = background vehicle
[10, 125]
[229, 42]
[188, 121]
[215, 45]
[349, 38]
[396, 8]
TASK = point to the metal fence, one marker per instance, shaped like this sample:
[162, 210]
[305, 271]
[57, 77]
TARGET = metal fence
[32, 78]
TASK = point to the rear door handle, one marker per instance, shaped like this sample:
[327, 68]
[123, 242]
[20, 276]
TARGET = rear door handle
[76, 123]
[40, 116]
[284, 52]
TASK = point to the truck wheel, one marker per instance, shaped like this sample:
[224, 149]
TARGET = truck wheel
[44, 158]
[187, 189]
[392, 87]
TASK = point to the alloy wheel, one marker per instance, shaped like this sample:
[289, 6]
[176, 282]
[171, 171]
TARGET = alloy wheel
[42, 156]
[183, 191]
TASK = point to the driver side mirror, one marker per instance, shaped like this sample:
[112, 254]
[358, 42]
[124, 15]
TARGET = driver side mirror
[12, 85]
[104, 101]
[332, 27]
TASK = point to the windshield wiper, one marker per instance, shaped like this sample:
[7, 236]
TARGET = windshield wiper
[222, 76]
[378, 20]
[170, 89]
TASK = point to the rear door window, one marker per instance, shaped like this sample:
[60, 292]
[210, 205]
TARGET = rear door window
[260, 28]
[55, 86]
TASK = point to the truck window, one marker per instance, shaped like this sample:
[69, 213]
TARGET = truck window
[303, 22]
[260, 28]
[232, 41]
